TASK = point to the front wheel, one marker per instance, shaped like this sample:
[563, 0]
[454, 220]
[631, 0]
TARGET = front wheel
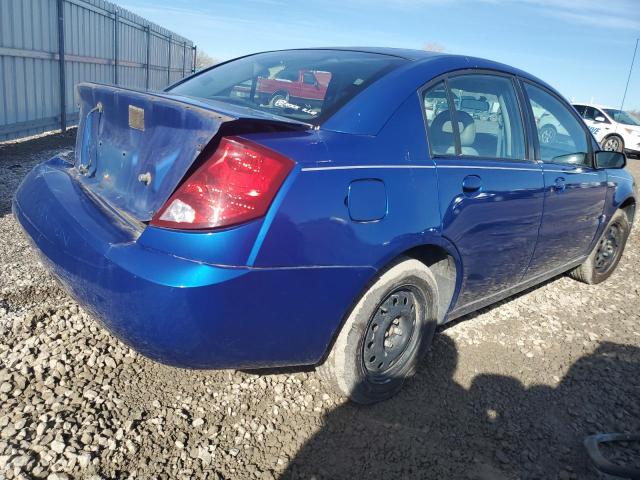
[386, 334]
[607, 253]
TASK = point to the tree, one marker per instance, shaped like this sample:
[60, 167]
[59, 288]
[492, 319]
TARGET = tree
[204, 60]
[433, 47]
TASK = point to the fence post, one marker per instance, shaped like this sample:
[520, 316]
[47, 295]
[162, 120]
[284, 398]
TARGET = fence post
[115, 46]
[169, 63]
[184, 58]
[195, 56]
[148, 53]
[63, 81]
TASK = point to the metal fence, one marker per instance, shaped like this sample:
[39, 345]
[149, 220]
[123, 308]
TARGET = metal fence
[48, 46]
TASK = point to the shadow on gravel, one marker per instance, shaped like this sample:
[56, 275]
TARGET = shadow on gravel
[496, 429]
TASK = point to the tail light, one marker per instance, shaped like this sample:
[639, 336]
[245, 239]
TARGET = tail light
[236, 184]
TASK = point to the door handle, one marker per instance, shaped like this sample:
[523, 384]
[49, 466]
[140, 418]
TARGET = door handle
[471, 184]
[560, 184]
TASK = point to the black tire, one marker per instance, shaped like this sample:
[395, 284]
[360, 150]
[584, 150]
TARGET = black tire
[607, 252]
[352, 368]
[547, 134]
[613, 143]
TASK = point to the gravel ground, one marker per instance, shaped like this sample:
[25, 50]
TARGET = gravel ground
[506, 393]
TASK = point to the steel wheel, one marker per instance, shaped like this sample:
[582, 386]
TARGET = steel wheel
[389, 334]
[613, 144]
[608, 248]
[393, 321]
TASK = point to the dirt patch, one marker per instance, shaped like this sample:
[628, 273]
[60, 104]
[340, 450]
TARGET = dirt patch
[509, 392]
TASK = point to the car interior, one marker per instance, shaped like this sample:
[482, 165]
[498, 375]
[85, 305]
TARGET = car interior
[486, 112]
[235, 82]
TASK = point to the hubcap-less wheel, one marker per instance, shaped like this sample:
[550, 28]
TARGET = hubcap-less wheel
[389, 333]
[608, 248]
[612, 144]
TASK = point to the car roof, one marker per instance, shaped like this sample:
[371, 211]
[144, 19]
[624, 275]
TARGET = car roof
[422, 56]
[367, 111]
[406, 53]
[370, 109]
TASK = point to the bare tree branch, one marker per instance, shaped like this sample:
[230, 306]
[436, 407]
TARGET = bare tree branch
[204, 60]
[433, 47]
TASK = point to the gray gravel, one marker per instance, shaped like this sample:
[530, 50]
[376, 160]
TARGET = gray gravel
[506, 393]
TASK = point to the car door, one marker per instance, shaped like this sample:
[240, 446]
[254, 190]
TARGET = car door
[574, 190]
[490, 194]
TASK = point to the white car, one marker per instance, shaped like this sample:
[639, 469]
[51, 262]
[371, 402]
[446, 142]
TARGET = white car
[614, 129]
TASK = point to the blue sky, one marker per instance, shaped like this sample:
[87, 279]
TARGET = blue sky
[581, 47]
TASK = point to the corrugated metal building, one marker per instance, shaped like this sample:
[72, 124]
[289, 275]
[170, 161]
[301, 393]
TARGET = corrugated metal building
[95, 40]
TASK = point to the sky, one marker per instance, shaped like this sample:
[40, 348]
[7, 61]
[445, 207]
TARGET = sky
[581, 47]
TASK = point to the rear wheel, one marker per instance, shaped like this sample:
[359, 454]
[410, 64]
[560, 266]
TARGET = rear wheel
[607, 253]
[386, 334]
[548, 134]
[613, 143]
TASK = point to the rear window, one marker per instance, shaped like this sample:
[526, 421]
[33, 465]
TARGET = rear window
[305, 85]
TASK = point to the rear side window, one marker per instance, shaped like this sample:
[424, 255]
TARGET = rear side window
[561, 136]
[306, 85]
[489, 121]
[489, 117]
[438, 118]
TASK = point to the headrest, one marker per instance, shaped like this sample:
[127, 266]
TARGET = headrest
[466, 125]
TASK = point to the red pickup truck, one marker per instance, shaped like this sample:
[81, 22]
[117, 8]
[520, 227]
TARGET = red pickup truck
[299, 86]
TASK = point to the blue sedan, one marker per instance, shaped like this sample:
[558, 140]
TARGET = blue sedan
[221, 224]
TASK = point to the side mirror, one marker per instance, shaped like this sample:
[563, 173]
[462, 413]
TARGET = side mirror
[600, 119]
[606, 159]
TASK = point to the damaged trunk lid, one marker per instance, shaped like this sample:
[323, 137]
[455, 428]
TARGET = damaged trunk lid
[134, 148]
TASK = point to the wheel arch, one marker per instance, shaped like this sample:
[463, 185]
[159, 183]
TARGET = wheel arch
[629, 207]
[445, 267]
[436, 253]
[612, 134]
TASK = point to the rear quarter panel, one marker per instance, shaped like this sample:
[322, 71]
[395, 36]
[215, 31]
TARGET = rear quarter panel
[313, 226]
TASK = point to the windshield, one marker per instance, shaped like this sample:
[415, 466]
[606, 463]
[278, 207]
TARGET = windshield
[622, 117]
[305, 85]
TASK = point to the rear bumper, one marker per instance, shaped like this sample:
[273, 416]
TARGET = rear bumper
[178, 311]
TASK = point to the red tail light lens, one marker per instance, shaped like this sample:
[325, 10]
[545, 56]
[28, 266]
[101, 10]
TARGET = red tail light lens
[236, 184]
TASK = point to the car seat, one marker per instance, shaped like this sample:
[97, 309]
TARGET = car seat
[442, 129]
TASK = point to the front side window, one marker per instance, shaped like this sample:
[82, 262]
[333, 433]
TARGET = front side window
[273, 82]
[593, 113]
[561, 136]
[309, 78]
